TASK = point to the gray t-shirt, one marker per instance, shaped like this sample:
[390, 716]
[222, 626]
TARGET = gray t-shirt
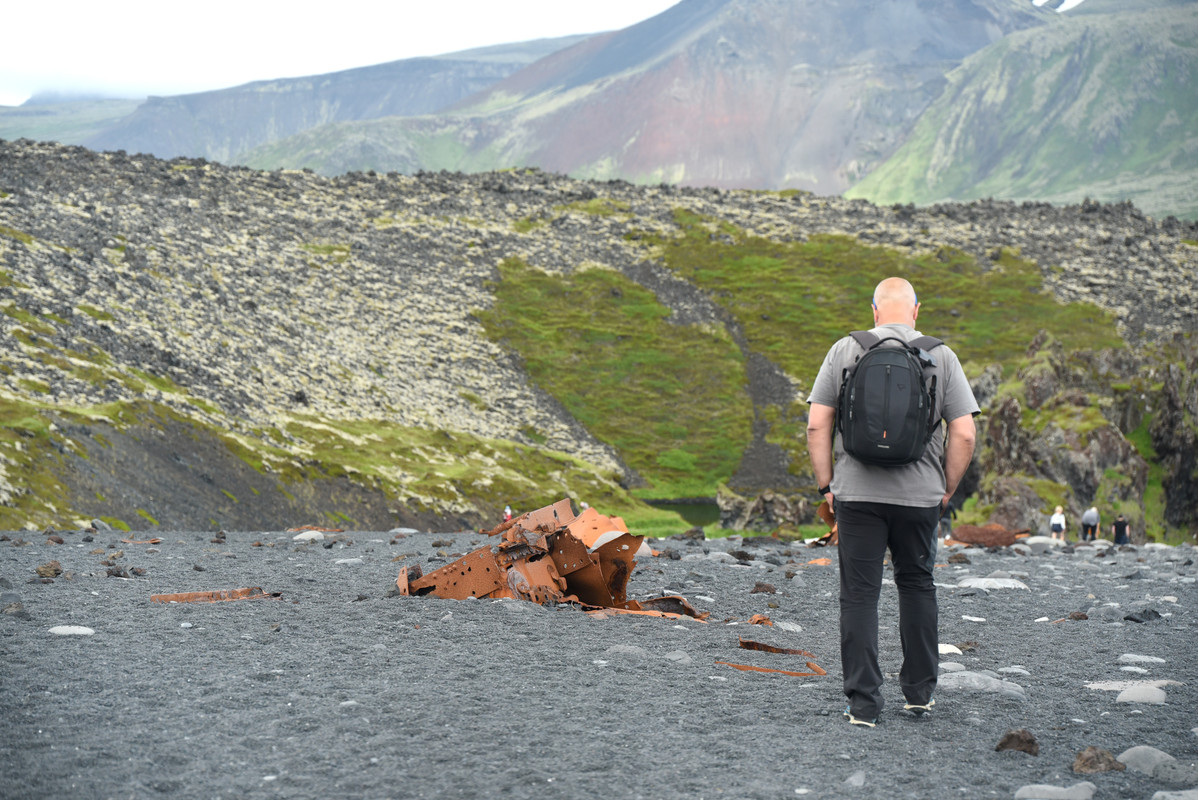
[920, 484]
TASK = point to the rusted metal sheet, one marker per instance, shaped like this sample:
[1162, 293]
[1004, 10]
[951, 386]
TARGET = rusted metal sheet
[749, 644]
[546, 556]
[217, 596]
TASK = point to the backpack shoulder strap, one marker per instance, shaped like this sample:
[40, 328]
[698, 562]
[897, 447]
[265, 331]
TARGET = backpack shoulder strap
[926, 342]
[865, 339]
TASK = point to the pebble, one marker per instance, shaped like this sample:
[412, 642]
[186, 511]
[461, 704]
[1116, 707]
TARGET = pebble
[308, 536]
[968, 618]
[1142, 694]
[678, 657]
[991, 583]
[1132, 658]
[857, 779]
[949, 650]
[951, 666]
[71, 630]
[349, 561]
[1039, 791]
[979, 682]
[1188, 794]
[1135, 670]
[1143, 758]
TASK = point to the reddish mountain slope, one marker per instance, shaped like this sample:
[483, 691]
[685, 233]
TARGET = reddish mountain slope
[739, 93]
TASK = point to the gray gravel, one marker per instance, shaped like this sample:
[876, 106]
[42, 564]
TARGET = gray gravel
[339, 688]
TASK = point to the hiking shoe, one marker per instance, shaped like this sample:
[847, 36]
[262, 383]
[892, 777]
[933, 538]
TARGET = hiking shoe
[917, 710]
[865, 723]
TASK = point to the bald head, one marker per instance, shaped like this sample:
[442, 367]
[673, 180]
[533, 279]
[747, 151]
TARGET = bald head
[895, 302]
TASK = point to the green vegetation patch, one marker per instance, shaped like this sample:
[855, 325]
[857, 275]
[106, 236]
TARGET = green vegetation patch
[95, 313]
[794, 299]
[20, 236]
[599, 207]
[328, 253]
[443, 471]
[669, 398]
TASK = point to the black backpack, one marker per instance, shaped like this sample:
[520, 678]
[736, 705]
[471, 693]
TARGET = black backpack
[886, 413]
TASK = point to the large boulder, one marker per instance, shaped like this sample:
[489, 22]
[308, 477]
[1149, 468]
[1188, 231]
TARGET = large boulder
[1050, 440]
[1174, 432]
[763, 512]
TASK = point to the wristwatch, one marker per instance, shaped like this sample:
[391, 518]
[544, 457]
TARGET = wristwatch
[825, 489]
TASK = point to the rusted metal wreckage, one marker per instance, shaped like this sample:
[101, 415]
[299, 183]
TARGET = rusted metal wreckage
[550, 556]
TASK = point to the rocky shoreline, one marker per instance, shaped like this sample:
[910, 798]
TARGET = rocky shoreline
[1066, 672]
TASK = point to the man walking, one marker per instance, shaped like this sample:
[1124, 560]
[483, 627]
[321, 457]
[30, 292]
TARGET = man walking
[896, 507]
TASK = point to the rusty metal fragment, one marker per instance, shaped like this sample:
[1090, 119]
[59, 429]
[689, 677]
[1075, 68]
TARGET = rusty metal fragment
[217, 596]
[749, 644]
[832, 537]
[549, 555]
[751, 668]
[991, 535]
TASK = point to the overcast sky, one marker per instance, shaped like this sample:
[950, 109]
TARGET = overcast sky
[134, 48]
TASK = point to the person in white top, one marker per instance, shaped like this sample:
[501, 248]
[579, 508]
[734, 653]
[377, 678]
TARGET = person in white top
[1057, 524]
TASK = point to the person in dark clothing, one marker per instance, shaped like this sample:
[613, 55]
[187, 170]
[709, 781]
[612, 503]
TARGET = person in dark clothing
[889, 507]
[1119, 530]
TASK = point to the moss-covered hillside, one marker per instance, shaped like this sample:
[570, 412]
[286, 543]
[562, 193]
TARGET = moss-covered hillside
[189, 345]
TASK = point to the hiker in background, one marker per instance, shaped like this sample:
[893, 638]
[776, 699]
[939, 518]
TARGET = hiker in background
[896, 507]
[1090, 521]
[1057, 524]
[507, 513]
[1119, 530]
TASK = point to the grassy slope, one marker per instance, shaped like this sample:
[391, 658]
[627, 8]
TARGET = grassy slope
[1098, 105]
[68, 123]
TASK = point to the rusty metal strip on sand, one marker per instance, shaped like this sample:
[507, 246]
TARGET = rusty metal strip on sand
[216, 596]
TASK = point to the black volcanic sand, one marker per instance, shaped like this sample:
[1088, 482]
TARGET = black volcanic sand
[342, 689]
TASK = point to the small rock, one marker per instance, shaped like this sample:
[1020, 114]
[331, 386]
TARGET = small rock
[1095, 759]
[1078, 616]
[1146, 615]
[1143, 758]
[856, 780]
[763, 588]
[71, 630]
[51, 569]
[959, 558]
[1187, 794]
[1021, 740]
[678, 657]
[308, 536]
[1038, 791]
[1132, 658]
[1142, 694]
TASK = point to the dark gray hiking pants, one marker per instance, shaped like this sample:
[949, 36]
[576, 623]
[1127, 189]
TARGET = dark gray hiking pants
[866, 530]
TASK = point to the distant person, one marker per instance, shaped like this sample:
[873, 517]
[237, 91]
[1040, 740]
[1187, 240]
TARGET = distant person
[1057, 524]
[1090, 521]
[1119, 530]
[507, 513]
[896, 507]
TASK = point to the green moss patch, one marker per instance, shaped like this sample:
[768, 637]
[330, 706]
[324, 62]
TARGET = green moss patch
[669, 398]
